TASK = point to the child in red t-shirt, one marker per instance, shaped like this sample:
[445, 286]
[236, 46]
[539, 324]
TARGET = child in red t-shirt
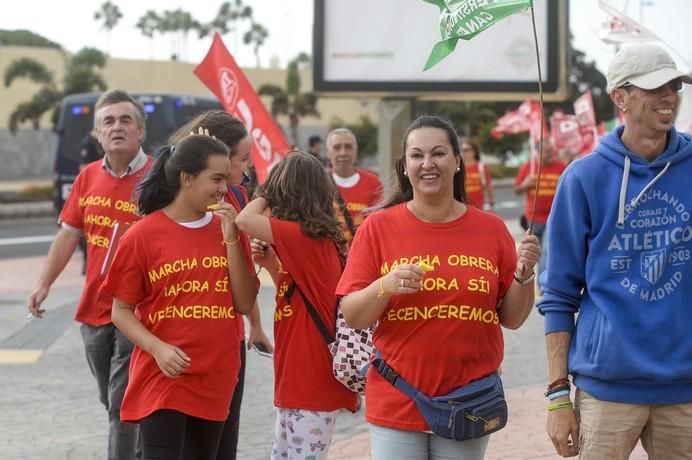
[178, 279]
[304, 233]
[438, 330]
[478, 182]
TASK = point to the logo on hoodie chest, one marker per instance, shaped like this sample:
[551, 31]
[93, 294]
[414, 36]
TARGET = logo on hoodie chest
[648, 253]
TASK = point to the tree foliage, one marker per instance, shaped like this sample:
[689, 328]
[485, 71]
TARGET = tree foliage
[289, 100]
[365, 130]
[80, 76]
[256, 37]
[25, 38]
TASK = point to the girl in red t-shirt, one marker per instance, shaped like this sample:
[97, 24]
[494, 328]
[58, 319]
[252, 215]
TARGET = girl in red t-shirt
[305, 234]
[231, 131]
[439, 330]
[178, 280]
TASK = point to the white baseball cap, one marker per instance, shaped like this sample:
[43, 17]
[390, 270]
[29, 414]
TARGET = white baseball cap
[645, 66]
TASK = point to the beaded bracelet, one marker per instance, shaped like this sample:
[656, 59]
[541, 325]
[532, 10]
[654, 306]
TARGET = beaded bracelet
[558, 394]
[560, 405]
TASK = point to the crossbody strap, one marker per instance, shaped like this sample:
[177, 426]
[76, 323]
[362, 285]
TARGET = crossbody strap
[324, 331]
[344, 211]
[394, 378]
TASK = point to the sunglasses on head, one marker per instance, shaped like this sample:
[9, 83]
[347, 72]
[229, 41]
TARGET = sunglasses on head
[674, 85]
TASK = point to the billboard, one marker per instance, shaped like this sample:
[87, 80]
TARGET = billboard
[381, 46]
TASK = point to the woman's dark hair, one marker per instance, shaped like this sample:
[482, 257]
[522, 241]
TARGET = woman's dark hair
[402, 190]
[474, 147]
[162, 184]
[220, 124]
[299, 190]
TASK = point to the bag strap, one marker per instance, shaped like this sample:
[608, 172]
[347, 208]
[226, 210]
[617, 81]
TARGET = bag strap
[342, 208]
[394, 378]
[326, 335]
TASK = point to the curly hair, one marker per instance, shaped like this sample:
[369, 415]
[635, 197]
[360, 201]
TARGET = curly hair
[299, 190]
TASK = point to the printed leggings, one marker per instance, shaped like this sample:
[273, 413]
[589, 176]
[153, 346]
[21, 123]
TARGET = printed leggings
[302, 434]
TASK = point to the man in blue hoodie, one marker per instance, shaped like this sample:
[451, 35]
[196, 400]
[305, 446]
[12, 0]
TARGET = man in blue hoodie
[621, 229]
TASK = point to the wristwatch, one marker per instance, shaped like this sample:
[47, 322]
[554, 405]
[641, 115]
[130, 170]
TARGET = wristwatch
[525, 281]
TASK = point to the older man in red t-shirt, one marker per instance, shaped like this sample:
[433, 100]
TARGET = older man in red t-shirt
[358, 189]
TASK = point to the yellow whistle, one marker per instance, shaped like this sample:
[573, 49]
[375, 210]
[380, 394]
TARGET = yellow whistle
[214, 207]
[425, 267]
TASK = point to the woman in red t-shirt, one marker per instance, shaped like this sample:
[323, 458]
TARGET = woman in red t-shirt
[178, 280]
[439, 329]
[478, 184]
[231, 131]
[305, 235]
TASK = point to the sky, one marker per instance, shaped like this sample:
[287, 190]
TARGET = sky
[290, 27]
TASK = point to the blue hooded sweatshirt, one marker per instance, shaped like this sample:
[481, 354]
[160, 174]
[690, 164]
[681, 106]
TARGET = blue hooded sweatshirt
[620, 237]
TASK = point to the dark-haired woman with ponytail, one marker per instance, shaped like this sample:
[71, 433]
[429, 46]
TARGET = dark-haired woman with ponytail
[178, 279]
[231, 131]
[306, 236]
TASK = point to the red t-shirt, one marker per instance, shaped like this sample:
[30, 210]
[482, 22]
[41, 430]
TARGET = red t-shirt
[303, 377]
[366, 193]
[97, 201]
[178, 279]
[474, 184]
[549, 177]
[447, 334]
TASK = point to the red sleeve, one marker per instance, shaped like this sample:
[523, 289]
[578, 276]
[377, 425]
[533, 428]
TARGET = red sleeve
[523, 172]
[507, 263]
[71, 212]
[361, 264]
[126, 277]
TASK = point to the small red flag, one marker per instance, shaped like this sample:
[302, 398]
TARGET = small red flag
[219, 71]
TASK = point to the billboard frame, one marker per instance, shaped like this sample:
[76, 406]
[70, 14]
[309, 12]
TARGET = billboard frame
[555, 86]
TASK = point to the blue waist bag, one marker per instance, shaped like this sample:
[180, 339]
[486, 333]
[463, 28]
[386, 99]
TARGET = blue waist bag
[472, 411]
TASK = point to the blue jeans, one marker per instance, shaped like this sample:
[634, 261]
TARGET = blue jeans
[388, 443]
[108, 354]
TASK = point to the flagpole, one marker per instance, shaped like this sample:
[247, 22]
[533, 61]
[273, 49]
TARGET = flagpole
[540, 140]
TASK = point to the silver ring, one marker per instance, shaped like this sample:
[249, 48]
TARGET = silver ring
[403, 282]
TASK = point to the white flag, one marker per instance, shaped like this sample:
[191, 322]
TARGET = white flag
[620, 28]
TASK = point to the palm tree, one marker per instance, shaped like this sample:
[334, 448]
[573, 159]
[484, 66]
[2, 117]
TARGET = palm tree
[147, 25]
[256, 37]
[291, 101]
[228, 12]
[110, 15]
[80, 76]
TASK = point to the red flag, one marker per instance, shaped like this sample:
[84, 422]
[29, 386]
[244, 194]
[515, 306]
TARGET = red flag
[565, 132]
[584, 110]
[219, 71]
[518, 121]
